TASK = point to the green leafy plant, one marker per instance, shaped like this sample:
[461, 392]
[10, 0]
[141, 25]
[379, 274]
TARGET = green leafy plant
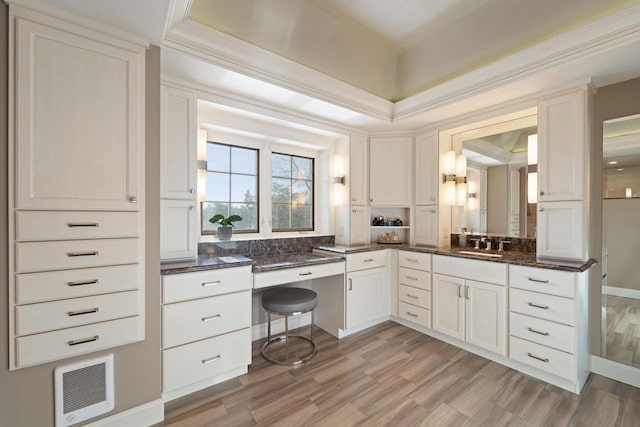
[225, 222]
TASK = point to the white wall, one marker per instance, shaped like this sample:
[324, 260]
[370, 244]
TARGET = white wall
[622, 234]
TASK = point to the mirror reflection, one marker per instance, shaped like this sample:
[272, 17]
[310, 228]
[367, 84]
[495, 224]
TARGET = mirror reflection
[621, 240]
[498, 171]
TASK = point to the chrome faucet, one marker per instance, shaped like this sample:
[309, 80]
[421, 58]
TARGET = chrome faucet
[477, 246]
[488, 242]
[501, 246]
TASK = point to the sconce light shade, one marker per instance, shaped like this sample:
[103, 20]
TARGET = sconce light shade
[532, 187]
[461, 199]
[627, 193]
[532, 150]
[461, 167]
[449, 163]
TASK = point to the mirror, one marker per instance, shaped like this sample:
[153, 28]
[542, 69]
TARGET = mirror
[498, 178]
[621, 240]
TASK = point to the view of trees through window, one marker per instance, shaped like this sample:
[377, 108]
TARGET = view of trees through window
[291, 192]
[231, 186]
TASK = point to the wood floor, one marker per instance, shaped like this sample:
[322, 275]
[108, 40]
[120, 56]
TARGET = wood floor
[392, 375]
[623, 330]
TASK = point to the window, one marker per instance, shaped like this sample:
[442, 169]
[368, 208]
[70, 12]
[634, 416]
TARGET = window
[231, 186]
[291, 192]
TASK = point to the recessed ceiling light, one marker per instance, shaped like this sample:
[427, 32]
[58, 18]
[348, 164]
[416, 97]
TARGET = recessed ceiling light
[613, 162]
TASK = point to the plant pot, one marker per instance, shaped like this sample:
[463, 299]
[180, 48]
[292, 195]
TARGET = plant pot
[224, 233]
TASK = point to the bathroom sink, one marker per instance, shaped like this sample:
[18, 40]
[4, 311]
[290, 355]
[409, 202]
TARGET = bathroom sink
[488, 255]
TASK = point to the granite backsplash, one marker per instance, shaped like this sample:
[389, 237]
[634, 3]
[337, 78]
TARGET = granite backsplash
[262, 247]
[516, 243]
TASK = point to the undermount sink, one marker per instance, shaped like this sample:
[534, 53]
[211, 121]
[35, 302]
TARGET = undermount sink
[488, 255]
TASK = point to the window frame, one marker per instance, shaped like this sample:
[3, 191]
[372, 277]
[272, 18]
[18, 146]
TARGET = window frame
[313, 192]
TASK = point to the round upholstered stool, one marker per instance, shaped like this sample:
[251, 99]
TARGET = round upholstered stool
[288, 302]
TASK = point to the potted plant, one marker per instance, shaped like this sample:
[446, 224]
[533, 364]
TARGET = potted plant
[226, 225]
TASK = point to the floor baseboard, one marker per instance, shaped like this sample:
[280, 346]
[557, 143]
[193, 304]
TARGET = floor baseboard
[621, 292]
[143, 415]
[615, 370]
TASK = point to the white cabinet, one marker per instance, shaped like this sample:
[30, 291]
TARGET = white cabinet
[76, 276]
[426, 225]
[79, 116]
[448, 305]
[206, 328]
[178, 143]
[414, 287]
[563, 136]
[358, 170]
[178, 229]
[561, 230]
[367, 290]
[391, 171]
[426, 167]
[359, 223]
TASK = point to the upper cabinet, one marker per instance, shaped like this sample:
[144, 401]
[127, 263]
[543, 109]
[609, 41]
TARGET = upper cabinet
[358, 170]
[563, 134]
[426, 164]
[178, 143]
[390, 171]
[79, 117]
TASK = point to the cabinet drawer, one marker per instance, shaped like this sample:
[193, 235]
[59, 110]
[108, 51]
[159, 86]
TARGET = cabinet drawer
[42, 348]
[57, 285]
[62, 225]
[363, 260]
[191, 363]
[49, 316]
[418, 297]
[551, 334]
[46, 256]
[560, 283]
[186, 286]
[198, 319]
[417, 315]
[415, 260]
[543, 306]
[482, 271]
[415, 278]
[547, 359]
[292, 275]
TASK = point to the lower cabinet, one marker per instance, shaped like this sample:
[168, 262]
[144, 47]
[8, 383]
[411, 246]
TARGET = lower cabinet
[367, 291]
[178, 229]
[414, 287]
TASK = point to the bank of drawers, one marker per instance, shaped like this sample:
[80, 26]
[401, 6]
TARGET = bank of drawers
[77, 286]
[414, 287]
[206, 325]
[542, 319]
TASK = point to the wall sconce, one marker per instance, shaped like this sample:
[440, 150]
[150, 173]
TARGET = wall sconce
[454, 177]
[532, 169]
[449, 169]
[532, 187]
[461, 179]
[532, 149]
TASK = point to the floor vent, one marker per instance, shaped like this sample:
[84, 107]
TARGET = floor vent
[83, 390]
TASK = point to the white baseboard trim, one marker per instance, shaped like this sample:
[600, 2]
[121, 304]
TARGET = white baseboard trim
[346, 332]
[259, 331]
[621, 292]
[615, 370]
[143, 415]
[192, 388]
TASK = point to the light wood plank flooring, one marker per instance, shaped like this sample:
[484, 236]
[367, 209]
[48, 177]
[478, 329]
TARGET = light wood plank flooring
[392, 375]
[623, 330]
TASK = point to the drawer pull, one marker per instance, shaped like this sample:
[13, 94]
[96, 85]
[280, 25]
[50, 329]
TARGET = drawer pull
[546, 334]
[544, 307]
[368, 260]
[459, 291]
[466, 292]
[308, 273]
[83, 282]
[83, 341]
[350, 284]
[85, 253]
[207, 284]
[81, 312]
[83, 224]
[412, 278]
[213, 359]
[542, 359]
[538, 280]
[412, 296]
[412, 260]
[208, 318]
[411, 314]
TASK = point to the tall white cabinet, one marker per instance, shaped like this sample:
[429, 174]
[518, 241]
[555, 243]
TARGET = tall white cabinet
[76, 206]
[352, 217]
[178, 173]
[426, 188]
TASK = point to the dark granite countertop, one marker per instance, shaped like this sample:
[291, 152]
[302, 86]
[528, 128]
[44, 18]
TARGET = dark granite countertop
[202, 263]
[280, 262]
[509, 257]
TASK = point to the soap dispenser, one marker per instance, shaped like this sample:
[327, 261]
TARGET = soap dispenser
[462, 241]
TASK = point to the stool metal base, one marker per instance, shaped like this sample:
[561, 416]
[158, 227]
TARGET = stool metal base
[285, 337]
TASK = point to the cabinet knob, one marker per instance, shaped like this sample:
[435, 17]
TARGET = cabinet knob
[192, 190]
[371, 200]
[541, 210]
[354, 199]
[353, 211]
[192, 208]
[542, 193]
[133, 199]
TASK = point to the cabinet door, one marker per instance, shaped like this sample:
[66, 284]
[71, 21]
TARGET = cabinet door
[560, 231]
[178, 144]
[448, 305]
[358, 170]
[426, 165]
[366, 299]
[485, 316]
[562, 130]
[390, 171]
[178, 229]
[426, 225]
[359, 225]
[79, 121]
